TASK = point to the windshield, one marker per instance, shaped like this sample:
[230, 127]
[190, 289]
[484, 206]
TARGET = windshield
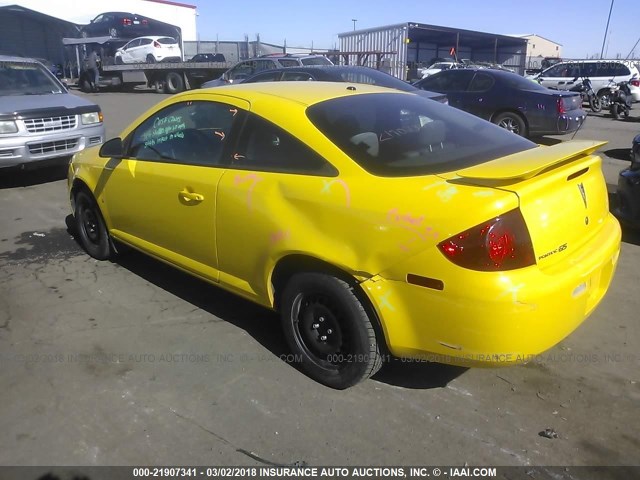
[316, 61]
[396, 135]
[20, 78]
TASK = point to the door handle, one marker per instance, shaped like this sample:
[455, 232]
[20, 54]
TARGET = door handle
[191, 196]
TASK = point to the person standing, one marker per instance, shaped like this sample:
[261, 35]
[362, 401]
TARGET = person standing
[94, 73]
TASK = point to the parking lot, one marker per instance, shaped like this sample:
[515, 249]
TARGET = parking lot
[132, 362]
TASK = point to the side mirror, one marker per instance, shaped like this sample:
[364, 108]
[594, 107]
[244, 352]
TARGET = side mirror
[112, 149]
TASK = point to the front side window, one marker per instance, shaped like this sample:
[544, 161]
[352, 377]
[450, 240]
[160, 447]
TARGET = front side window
[266, 147]
[395, 135]
[192, 133]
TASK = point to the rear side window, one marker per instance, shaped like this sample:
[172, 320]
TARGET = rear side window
[296, 76]
[264, 146]
[447, 81]
[146, 41]
[316, 61]
[287, 62]
[481, 82]
[396, 135]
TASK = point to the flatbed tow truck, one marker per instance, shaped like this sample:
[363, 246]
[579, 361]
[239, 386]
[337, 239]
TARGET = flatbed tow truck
[164, 77]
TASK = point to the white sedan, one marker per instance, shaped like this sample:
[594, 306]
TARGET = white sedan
[149, 50]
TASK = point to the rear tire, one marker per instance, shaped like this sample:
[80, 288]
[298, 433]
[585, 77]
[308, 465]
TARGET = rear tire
[512, 122]
[151, 59]
[595, 104]
[91, 227]
[119, 61]
[328, 330]
[174, 83]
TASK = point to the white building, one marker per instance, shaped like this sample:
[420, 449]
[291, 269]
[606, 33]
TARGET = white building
[82, 11]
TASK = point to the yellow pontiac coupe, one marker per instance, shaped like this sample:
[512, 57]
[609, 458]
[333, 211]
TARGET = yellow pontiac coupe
[377, 222]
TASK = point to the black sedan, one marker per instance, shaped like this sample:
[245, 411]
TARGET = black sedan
[509, 100]
[628, 193]
[127, 25]
[338, 73]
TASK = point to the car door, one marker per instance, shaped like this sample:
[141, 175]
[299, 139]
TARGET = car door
[161, 197]
[128, 51]
[143, 49]
[478, 98]
[560, 77]
[258, 199]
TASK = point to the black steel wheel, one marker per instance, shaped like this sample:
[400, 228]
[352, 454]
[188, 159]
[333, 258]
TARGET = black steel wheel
[91, 228]
[328, 330]
[512, 122]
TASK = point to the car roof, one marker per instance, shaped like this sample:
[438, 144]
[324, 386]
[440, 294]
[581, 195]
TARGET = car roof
[305, 93]
[11, 58]
[153, 37]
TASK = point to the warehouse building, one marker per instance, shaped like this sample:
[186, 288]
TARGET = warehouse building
[403, 48]
[539, 48]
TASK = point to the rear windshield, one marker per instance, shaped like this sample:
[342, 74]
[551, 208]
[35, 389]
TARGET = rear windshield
[316, 61]
[20, 78]
[521, 83]
[396, 135]
[167, 40]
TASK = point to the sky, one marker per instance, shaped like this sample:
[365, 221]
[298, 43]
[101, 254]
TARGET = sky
[578, 26]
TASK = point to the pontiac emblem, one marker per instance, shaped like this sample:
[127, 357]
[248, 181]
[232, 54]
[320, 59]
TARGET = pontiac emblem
[583, 193]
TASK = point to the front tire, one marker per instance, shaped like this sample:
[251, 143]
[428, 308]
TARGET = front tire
[328, 330]
[151, 59]
[91, 228]
[605, 99]
[511, 122]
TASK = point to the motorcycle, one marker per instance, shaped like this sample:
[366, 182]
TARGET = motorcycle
[587, 93]
[621, 100]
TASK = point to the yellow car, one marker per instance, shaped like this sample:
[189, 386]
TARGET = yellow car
[377, 222]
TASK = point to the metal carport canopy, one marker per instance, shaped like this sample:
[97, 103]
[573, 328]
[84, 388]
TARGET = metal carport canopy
[455, 37]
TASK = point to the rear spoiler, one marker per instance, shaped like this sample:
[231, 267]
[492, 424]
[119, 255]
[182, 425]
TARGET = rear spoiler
[527, 164]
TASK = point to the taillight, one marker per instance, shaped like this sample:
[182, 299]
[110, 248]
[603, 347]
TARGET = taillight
[635, 83]
[502, 243]
[561, 108]
[126, 21]
[156, 44]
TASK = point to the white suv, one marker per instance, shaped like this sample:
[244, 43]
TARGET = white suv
[602, 73]
[247, 68]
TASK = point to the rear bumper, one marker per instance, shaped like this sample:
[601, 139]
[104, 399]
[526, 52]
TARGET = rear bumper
[495, 318]
[25, 149]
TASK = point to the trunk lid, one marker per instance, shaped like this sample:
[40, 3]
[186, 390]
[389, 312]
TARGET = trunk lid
[561, 190]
